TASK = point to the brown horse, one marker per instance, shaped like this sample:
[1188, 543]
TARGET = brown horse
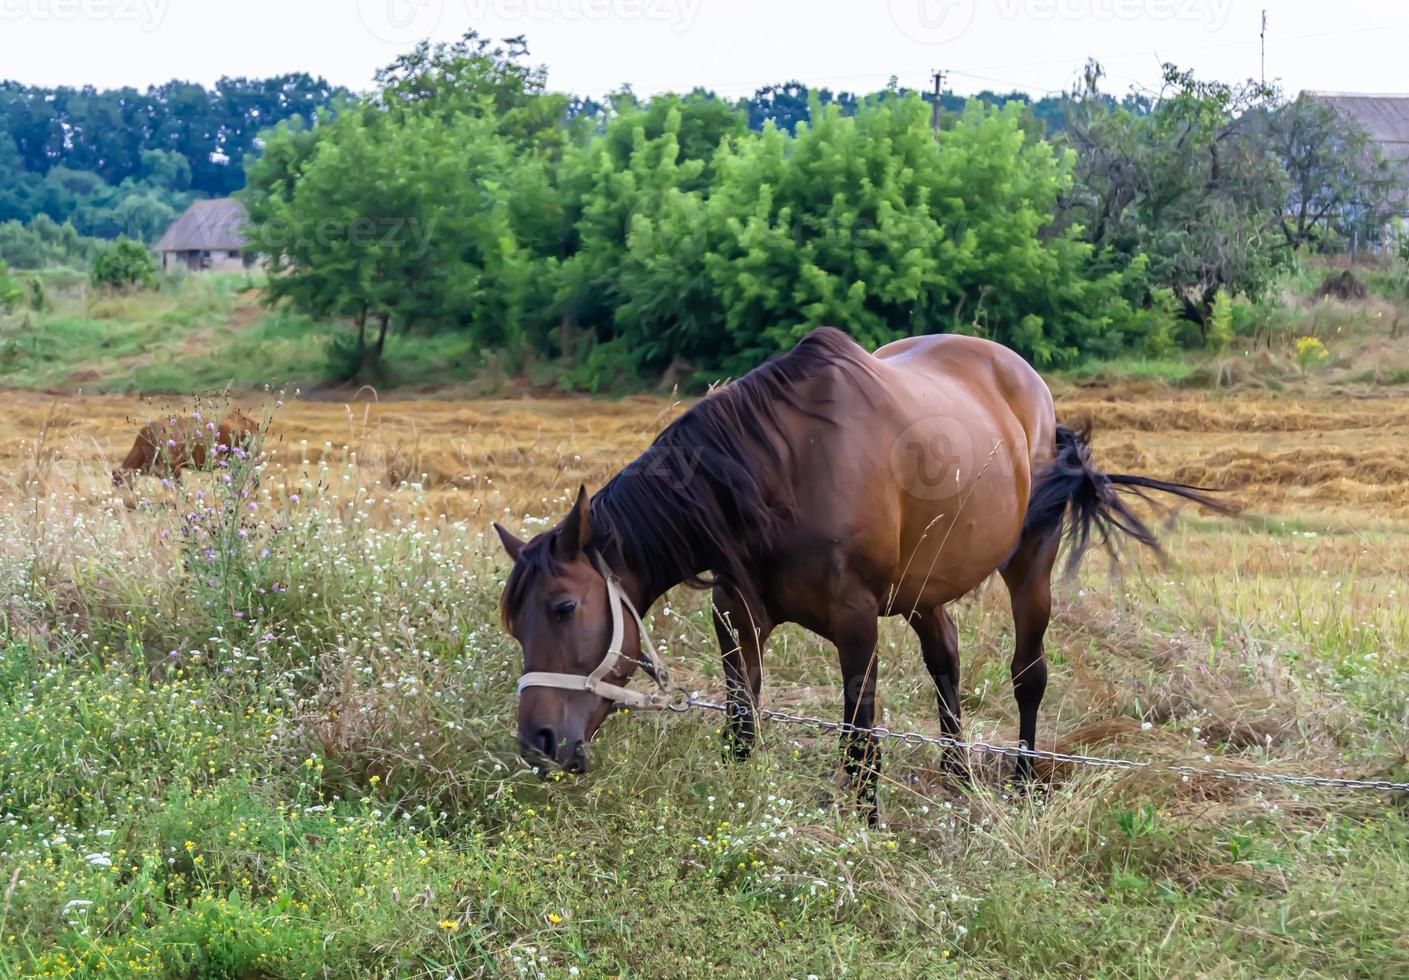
[166, 448]
[827, 488]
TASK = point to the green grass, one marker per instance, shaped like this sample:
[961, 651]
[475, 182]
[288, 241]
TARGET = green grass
[299, 764]
[1172, 371]
[198, 334]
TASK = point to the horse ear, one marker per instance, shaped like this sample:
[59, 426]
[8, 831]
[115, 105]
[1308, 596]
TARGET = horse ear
[577, 528]
[512, 544]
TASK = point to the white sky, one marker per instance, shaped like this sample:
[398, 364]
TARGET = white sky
[732, 46]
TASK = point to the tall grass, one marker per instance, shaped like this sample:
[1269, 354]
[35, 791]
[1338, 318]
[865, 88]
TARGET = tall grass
[276, 741]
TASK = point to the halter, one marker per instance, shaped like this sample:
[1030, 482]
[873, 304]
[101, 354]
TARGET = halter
[593, 682]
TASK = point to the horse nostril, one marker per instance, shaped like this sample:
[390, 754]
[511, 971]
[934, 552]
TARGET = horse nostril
[545, 740]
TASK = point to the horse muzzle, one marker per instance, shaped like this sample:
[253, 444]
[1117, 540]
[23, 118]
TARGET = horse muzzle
[569, 753]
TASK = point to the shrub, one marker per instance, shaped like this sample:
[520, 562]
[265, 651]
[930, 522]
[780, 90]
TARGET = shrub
[1219, 332]
[1310, 351]
[11, 293]
[124, 264]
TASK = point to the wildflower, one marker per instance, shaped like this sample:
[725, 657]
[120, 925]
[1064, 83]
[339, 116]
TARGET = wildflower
[555, 918]
[447, 924]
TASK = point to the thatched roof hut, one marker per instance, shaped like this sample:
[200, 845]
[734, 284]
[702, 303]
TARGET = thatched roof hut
[209, 235]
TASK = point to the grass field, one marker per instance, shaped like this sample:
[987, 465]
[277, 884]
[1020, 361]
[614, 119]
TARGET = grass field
[275, 740]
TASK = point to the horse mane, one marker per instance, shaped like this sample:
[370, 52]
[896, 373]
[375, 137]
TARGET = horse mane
[711, 492]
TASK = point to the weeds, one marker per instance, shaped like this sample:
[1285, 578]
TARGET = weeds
[200, 778]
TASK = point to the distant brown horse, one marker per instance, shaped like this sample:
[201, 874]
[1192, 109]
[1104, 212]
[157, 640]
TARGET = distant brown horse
[827, 488]
[166, 448]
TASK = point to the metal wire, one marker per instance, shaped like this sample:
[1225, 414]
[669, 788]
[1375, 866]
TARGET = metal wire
[1022, 752]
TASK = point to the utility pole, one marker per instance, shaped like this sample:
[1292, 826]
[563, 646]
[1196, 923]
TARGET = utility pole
[938, 76]
[1264, 47]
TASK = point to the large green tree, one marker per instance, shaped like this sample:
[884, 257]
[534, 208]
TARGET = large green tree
[1191, 186]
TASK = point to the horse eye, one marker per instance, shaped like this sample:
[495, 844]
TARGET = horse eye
[562, 611]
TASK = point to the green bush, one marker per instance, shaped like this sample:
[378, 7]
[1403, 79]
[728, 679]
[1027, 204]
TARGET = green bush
[11, 292]
[124, 264]
[1218, 333]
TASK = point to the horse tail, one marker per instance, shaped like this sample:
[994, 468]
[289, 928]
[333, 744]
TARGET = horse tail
[1072, 494]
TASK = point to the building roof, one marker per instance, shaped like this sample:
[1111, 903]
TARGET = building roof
[207, 225]
[1384, 117]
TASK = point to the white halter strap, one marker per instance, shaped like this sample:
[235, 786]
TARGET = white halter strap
[595, 682]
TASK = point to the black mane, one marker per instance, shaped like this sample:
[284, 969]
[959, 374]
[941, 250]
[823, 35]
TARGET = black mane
[712, 491]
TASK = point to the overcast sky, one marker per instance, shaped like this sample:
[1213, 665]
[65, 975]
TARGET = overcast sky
[732, 46]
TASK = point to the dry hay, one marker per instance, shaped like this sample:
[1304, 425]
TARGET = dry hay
[1250, 412]
[479, 458]
[1343, 285]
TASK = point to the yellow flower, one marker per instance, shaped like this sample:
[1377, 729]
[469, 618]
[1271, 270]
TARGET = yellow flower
[447, 924]
[554, 918]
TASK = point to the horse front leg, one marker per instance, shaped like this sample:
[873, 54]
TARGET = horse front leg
[855, 637]
[742, 632]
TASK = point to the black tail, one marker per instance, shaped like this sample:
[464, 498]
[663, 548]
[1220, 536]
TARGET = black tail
[1072, 492]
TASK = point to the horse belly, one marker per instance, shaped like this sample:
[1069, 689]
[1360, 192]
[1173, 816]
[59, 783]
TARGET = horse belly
[947, 552]
[963, 480]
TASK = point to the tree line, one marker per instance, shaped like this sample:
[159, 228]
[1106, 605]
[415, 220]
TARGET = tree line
[127, 162]
[689, 235]
[98, 164]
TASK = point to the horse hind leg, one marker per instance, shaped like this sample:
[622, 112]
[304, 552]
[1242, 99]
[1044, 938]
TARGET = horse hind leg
[742, 634]
[1028, 575]
[854, 632]
[939, 643]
